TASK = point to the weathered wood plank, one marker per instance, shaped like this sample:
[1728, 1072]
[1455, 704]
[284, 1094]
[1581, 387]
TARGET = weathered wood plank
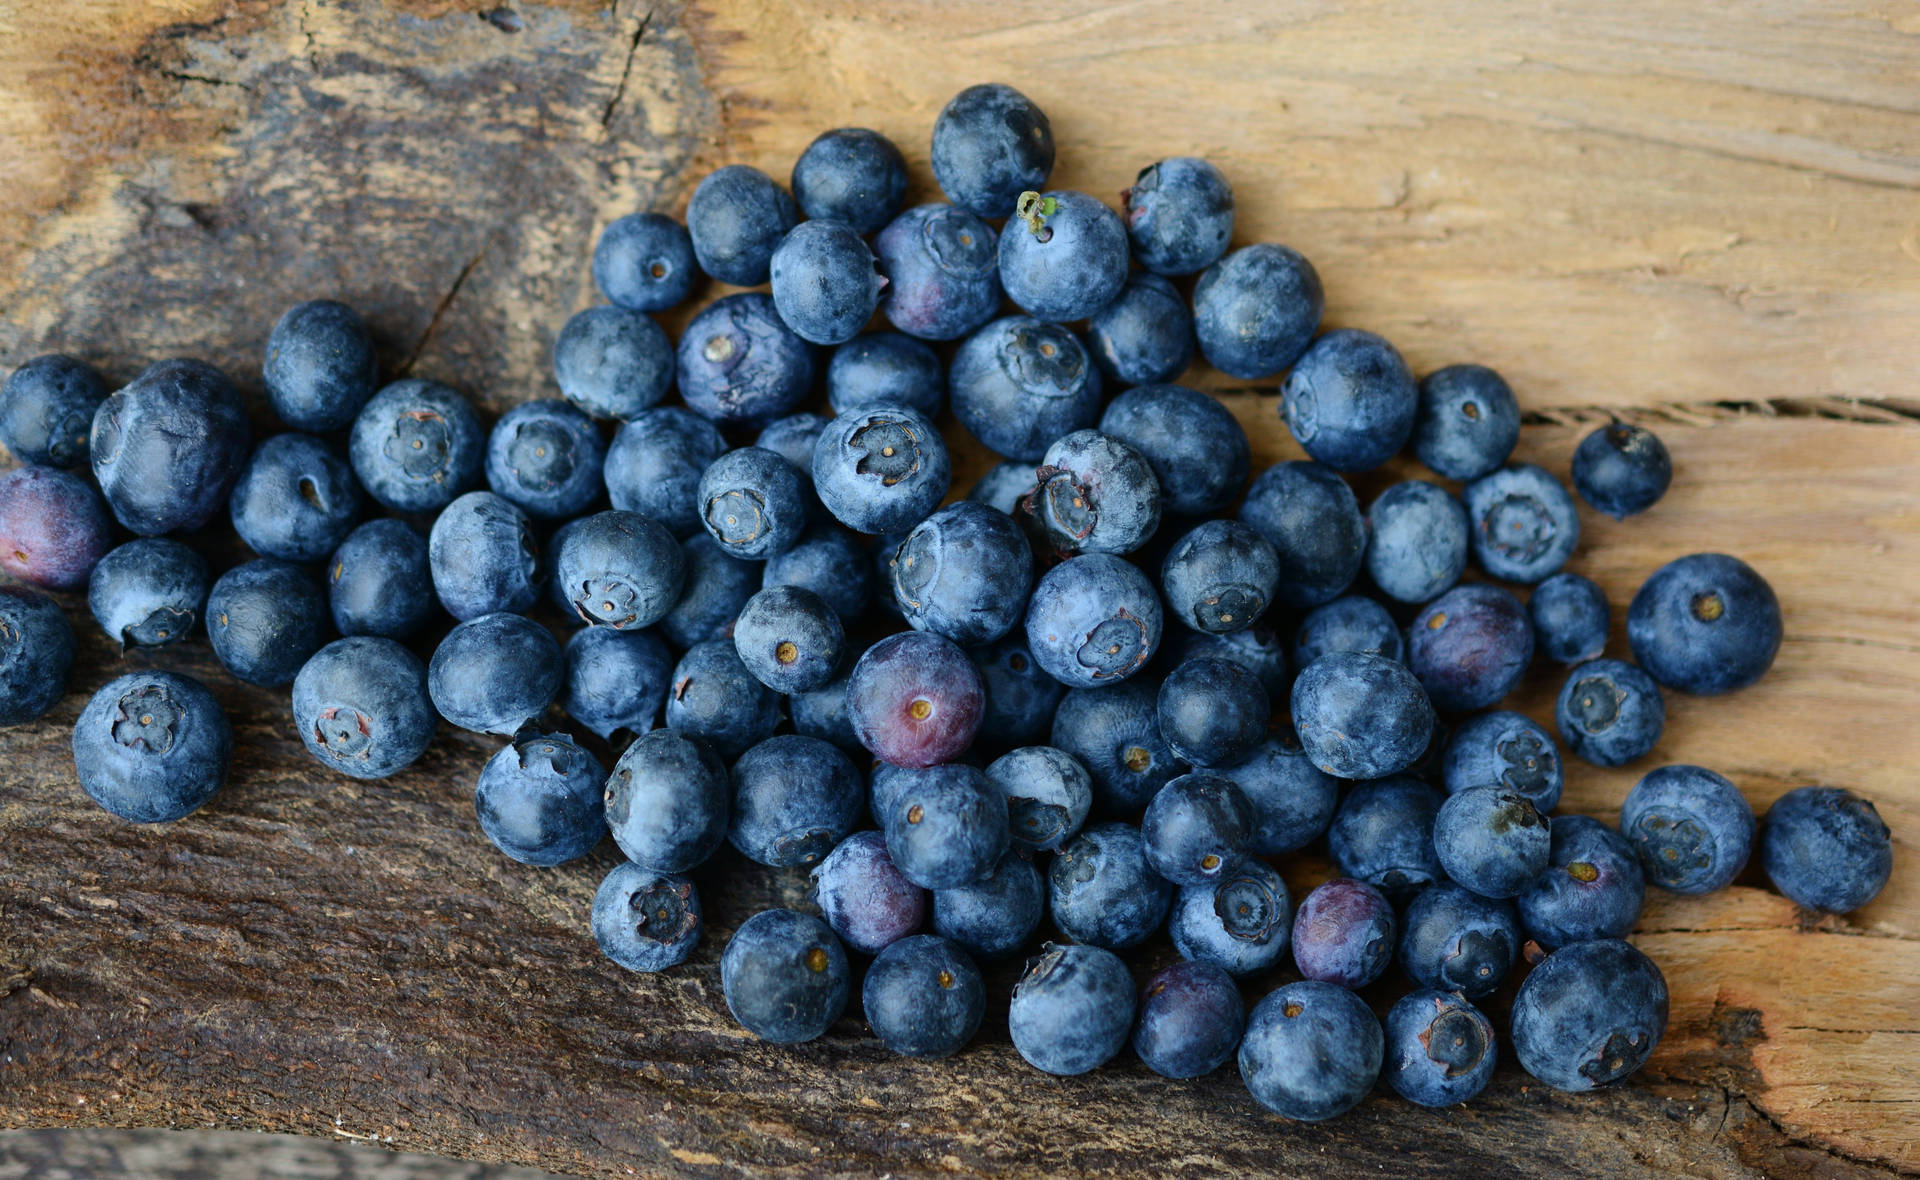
[1632, 207]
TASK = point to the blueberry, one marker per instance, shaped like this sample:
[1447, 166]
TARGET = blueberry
[822, 713]
[1570, 618]
[53, 527]
[1468, 422]
[942, 269]
[1220, 577]
[1017, 384]
[1692, 829]
[794, 798]
[668, 801]
[546, 457]
[296, 499]
[1382, 833]
[644, 262]
[1350, 400]
[866, 900]
[46, 410]
[1440, 1050]
[1621, 469]
[713, 697]
[1344, 933]
[789, 638]
[655, 463]
[1115, 732]
[1103, 892]
[1352, 623]
[620, 569]
[792, 438]
[167, 448]
[1048, 793]
[1198, 452]
[1093, 620]
[483, 557]
[1072, 1009]
[1361, 716]
[1470, 646]
[1418, 543]
[1190, 1020]
[824, 281]
[852, 175]
[1179, 215]
[495, 673]
[881, 469]
[646, 921]
[832, 563]
[148, 592]
[538, 800]
[1213, 712]
[1256, 649]
[964, 572]
[612, 363]
[923, 997]
[1826, 848]
[915, 700]
[1144, 336]
[616, 680]
[785, 976]
[1291, 799]
[717, 585]
[152, 747]
[1524, 523]
[1256, 310]
[320, 366]
[1705, 624]
[362, 708]
[1094, 494]
[1589, 1015]
[739, 364]
[754, 503]
[1064, 260]
[994, 916]
[1506, 750]
[1609, 712]
[1592, 887]
[1491, 840]
[36, 654]
[1238, 922]
[1311, 518]
[1311, 1051]
[947, 828]
[416, 445]
[1021, 698]
[990, 144]
[736, 217]
[264, 619]
[1458, 941]
[1196, 827]
[885, 369]
[380, 581]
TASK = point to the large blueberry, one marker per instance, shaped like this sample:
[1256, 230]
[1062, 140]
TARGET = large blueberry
[495, 673]
[1826, 848]
[538, 799]
[794, 798]
[946, 827]
[380, 581]
[1240, 921]
[923, 997]
[1190, 1021]
[754, 503]
[1589, 1015]
[46, 410]
[362, 708]
[1311, 518]
[483, 557]
[1344, 933]
[831, 562]
[824, 282]
[1491, 840]
[739, 364]
[886, 369]
[1418, 543]
[1072, 1009]
[851, 175]
[736, 217]
[1048, 792]
[264, 618]
[790, 639]
[1609, 712]
[1179, 215]
[167, 448]
[621, 570]
[1102, 890]
[1017, 384]
[866, 900]
[1692, 829]
[296, 499]
[1468, 421]
[1312, 1050]
[655, 462]
[1361, 716]
[668, 801]
[1144, 336]
[713, 697]
[1292, 800]
[1470, 646]
[1458, 941]
[320, 367]
[965, 573]
[1064, 258]
[1440, 1049]
[1220, 577]
[148, 592]
[1256, 310]
[36, 654]
[942, 269]
[1350, 623]
[785, 976]
[1705, 624]
[616, 680]
[881, 469]
[1506, 750]
[152, 747]
[546, 457]
[1350, 400]
[994, 916]
[915, 700]
[1197, 449]
[1593, 886]
[1213, 712]
[1094, 494]
[1093, 620]
[1382, 834]
[416, 445]
[644, 262]
[1196, 827]
[1524, 523]
[990, 144]
[644, 920]
[1115, 732]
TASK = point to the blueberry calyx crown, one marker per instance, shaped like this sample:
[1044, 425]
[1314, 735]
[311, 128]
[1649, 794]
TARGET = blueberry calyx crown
[1034, 209]
[146, 719]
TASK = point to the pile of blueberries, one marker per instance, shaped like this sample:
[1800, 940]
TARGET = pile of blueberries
[1065, 698]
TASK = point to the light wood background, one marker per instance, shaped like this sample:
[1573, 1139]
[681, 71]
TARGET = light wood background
[1702, 217]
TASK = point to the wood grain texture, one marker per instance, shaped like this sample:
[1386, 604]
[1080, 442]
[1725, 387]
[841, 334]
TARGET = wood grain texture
[1645, 207]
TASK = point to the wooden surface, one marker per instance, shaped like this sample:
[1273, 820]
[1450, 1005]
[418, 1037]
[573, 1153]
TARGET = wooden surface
[1704, 221]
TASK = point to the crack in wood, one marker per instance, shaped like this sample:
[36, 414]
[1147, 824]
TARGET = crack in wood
[626, 70]
[446, 301]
